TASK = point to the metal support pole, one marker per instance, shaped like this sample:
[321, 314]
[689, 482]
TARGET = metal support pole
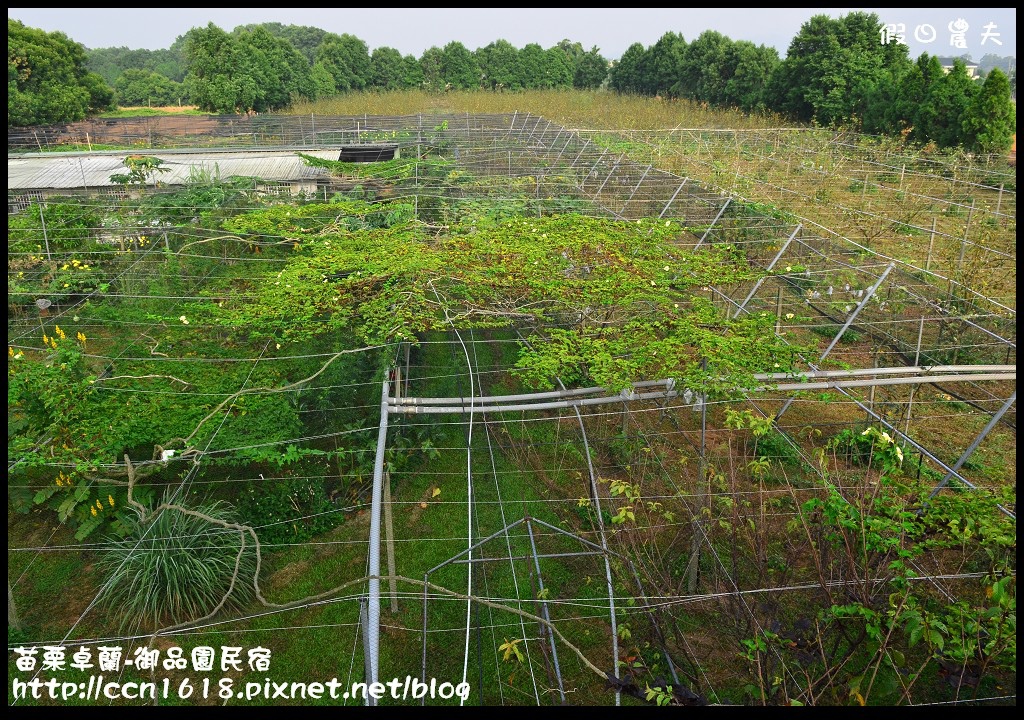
[963, 243]
[923, 450]
[778, 312]
[853, 316]
[711, 227]
[974, 445]
[592, 169]
[389, 538]
[630, 199]
[544, 132]
[373, 611]
[559, 156]
[913, 388]
[614, 168]
[604, 540]
[406, 376]
[931, 245]
[849, 322]
[871, 390]
[367, 662]
[530, 137]
[544, 612]
[580, 154]
[672, 199]
[604, 547]
[46, 240]
[555, 139]
[423, 666]
[768, 269]
[693, 567]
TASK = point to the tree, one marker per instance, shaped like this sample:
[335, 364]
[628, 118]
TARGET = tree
[898, 106]
[750, 67]
[219, 77]
[146, 88]
[591, 70]
[574, 52]
[498, 63]
[386, 69]
[48, 80]
[991, 120]
[663, 64]
[243, 71]
[109, 63]
[558, 70]
[412, 72]
[281, 71]
[946, 105]
[458, 67]
[833, 68]
[625, 75]
[304, 38]
[702, 72]
[430, 65]
[347, 58]
[322, 81]
[531, 66]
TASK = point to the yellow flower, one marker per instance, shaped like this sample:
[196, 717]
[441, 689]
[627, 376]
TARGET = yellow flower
[93, 511]
[60, 333]
[81, 338]
[110, 499]
[99, 504]
[10, 351]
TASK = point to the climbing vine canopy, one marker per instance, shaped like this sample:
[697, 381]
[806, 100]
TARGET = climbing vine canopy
[610, 302]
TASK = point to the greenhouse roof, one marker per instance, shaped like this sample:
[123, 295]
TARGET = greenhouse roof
[66, 171]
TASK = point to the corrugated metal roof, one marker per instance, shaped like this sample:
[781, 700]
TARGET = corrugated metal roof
[91, 170]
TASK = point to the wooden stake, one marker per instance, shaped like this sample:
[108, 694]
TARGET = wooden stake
[389, 540]
[12, 613]
[931, 245]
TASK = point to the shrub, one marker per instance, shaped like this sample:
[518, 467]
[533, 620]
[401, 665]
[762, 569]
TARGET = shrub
[289, 511]
[173, 566]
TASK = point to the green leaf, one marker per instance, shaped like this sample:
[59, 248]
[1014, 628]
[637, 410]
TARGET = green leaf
[510, 648]
[45, 494]
[86, 528]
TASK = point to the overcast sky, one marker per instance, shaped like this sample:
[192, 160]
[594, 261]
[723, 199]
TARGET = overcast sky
[612, 30]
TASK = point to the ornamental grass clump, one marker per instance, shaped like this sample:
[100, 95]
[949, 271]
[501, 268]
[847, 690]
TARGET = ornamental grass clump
[174, 566]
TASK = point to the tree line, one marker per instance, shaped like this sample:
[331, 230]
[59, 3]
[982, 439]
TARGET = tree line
[836, 73]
